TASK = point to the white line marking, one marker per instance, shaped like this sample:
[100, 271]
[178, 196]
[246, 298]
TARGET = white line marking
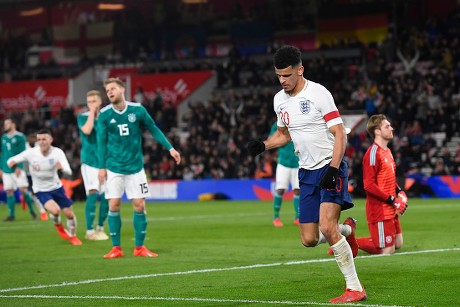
[194, 299]
[246, 267]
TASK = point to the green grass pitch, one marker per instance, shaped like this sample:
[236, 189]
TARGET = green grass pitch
[224, 253]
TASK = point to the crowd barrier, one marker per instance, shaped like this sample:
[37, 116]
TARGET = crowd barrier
[253, 189]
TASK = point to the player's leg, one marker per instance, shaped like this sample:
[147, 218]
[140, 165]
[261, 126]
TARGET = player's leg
[103, 213]
[281, 185]
[55, 213]
[91, 183]
[296, 190]
[65, 203]
[398, 233]
[9, 187]
[115, 188]
[137, 190]
[29, 201]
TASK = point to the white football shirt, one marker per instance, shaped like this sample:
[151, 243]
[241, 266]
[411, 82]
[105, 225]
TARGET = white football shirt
[43, 168]
[308, 117]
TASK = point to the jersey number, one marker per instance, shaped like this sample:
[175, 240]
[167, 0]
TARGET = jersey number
[285, 118]
[144, 188]
[124, 130]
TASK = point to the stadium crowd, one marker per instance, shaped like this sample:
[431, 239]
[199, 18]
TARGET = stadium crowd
[412, 77]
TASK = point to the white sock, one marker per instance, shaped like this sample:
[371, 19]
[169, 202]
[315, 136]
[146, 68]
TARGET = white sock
[56, 219]
[344, 258]
[345, 229]
[100, 229]
[322, 238]
[72, 225]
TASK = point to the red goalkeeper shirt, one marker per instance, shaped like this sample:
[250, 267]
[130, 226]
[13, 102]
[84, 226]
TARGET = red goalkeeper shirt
[379, 176]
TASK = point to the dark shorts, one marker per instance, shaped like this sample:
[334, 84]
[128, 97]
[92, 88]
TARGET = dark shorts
[311, 196]
[57, 195]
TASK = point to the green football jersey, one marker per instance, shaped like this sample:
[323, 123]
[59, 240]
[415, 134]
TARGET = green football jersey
[88, 154]
[11, 146]
[119, 137]
[286, 153]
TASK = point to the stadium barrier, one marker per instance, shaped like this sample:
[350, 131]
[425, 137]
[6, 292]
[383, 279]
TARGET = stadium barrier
[253, 189]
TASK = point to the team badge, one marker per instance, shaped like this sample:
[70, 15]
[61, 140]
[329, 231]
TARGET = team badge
[51, 161]
[132, 117]
[304, 106]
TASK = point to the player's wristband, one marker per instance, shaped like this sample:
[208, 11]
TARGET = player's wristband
[390, 200]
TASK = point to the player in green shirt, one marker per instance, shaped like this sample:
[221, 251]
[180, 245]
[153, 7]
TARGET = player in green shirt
[119, 145]
[287, 172]
[13, 143]
[90, 166]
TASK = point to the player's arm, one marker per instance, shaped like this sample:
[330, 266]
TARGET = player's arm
[14, 160]
[63, 164]
[279, 138]
[370, 172]
[329, 179]
[88, 125]
[159, 136]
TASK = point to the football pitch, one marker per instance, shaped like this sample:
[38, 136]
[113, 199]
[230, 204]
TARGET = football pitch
[226, 253]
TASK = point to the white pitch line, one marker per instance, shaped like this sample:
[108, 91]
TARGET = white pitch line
[246, 267]
[190, 299]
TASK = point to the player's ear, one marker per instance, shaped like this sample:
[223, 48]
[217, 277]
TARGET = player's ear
[300, 70]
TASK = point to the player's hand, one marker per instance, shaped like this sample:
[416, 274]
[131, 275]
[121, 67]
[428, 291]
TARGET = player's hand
[176, 155]
[400, 205]
[102, 175]
[403, 196]
[17, 172]
[58, 166]
[255, 147]
[329, 180]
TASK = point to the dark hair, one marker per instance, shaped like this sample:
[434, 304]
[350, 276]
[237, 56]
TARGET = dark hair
[44, 131]
[287, 56]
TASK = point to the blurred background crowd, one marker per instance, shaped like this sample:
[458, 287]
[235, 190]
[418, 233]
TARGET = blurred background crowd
[412, 76]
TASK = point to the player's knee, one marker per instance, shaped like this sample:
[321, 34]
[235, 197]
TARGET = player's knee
[309, 242]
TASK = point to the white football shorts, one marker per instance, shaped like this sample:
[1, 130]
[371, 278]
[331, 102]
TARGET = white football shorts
[90, 177]
[135, 185]
[12, 182]
[285, 176]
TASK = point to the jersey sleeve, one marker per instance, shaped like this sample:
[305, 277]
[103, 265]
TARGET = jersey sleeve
[19, 158]
[101, 140]
[64, 162]
[327, 107]
[370, 171]
[157, 134]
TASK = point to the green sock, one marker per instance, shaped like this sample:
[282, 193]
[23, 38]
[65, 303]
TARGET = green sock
[90, 210]
[29, 202]
[114, 221]
[11, 202]
[277, 200]
[296, 205]
[140, 227]
[103, 210]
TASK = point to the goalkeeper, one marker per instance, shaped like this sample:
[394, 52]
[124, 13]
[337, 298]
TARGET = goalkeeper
[385, 201]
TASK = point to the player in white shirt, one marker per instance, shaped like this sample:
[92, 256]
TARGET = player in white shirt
[308, 116]
[44, 163]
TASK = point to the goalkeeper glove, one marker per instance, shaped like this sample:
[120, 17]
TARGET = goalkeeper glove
[255, 147]
[403, 196]
[329, 180]
[399, 203]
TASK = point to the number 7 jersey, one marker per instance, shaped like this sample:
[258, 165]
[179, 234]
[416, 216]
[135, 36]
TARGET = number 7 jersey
[308, 117]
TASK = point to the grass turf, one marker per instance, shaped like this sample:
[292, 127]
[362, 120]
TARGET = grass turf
[224, 253]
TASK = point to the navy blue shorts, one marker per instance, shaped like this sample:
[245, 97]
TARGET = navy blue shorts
[57, 195]
[311, 196]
